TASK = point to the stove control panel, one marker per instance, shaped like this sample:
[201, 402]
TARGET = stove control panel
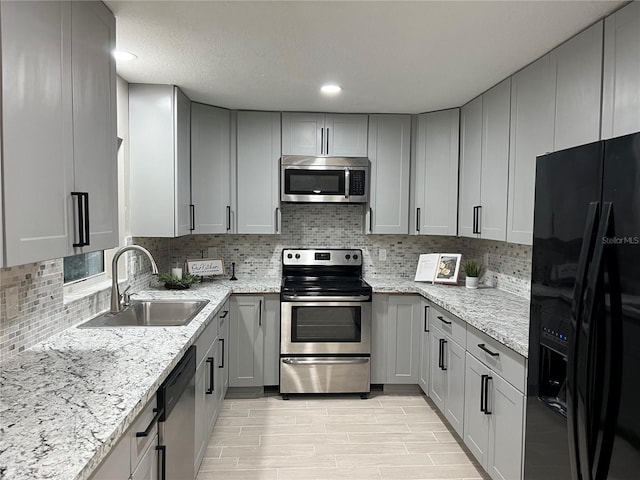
[330, 257]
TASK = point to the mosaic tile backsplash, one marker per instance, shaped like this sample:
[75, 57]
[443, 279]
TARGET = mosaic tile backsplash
[33, 306]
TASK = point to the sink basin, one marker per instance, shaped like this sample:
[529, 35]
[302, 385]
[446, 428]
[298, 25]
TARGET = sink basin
[150, 313]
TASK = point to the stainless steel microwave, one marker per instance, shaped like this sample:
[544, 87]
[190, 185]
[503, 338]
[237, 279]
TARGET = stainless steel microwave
[324, 179]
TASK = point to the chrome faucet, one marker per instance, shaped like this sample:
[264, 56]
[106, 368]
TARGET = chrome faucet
[115, 292]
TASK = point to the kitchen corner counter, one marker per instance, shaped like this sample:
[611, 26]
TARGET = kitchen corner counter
[501, 315]
[65, 402]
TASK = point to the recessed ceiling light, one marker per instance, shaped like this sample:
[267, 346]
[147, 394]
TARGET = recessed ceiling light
[123, 56]
[331, 89]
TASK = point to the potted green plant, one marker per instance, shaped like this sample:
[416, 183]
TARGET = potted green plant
[472, 269]
[173, 282]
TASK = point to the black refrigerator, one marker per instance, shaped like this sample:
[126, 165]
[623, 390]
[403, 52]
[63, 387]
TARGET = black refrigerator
[583, 397]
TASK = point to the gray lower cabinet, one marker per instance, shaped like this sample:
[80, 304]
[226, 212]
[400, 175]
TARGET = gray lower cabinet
[254, 340]
[404, 322]
[148, 467]
[425, 349]
[621, 75]
[447, 349]
[379, 313]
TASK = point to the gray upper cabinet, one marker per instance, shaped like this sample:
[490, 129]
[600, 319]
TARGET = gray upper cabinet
[318, 134]
[258, 156]
[621, 77]
[69, 139]
[578, 86]
[484, 164]
[532, 133]
[389, 152]
[435, 187]
[211, 169]
[160, 139]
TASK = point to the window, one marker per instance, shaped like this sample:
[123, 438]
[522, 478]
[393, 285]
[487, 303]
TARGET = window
[85, 265]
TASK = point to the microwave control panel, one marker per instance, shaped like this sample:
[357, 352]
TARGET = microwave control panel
[357, 182]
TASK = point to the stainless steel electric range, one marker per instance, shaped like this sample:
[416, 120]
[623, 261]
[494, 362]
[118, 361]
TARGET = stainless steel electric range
[325, 330]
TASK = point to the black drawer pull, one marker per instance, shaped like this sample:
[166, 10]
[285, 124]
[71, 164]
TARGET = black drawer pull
[481, 346]
[441, 318]
[158, 414]
[224, 314]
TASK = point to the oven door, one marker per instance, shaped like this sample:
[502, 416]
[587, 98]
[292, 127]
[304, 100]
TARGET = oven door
[334, 328]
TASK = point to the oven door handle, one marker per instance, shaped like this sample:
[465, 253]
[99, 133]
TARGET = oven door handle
[325, 361]
[305, 298]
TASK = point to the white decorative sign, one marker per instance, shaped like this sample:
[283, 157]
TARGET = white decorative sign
[205, 267]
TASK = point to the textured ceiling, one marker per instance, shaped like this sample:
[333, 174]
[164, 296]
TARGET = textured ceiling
[389, 56]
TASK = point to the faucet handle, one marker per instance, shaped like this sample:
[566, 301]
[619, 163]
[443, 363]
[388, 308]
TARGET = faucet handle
[126, 297]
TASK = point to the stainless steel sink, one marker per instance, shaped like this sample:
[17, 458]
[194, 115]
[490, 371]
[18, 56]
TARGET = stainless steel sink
[150, 313]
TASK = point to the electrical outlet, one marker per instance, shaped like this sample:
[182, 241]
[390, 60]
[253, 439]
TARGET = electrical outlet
[382, 254]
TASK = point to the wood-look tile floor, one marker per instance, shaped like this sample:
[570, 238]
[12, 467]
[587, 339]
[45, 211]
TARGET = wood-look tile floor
[387, 437]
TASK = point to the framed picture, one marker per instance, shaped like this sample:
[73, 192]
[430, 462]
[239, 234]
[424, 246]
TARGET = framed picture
[205, 267]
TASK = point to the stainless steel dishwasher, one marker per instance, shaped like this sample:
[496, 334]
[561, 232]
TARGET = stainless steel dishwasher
[176, 427]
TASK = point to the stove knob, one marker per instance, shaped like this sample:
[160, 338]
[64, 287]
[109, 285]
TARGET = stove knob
[289, 256]
[347, 256]
[297, 256]
[355, 257]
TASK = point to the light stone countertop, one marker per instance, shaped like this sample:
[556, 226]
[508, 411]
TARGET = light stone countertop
[65, 402]
[501, 315]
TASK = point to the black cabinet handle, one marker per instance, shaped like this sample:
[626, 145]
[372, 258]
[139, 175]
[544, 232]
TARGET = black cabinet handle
[327, 150]
[277, 223]
[163, 464]
[224, 314]
[260, 314]
[321, 141]
[444, 343]
[486, 395]
[481, 346]
[158, 413]
[210, 361]
[483, 379]
[192, 207]
[418, 219]
[474, 228]
[441, 318]
[83, 218]
[222, 354]
[426, 314]
[228, 217]
[370, 220]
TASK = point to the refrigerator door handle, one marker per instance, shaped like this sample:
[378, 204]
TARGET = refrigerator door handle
[586, 252]
[604, 339]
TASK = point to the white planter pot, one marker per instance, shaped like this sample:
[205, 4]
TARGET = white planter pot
[471, 282]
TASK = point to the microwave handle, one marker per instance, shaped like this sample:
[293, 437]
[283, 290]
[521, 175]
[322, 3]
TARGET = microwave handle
[346, 183]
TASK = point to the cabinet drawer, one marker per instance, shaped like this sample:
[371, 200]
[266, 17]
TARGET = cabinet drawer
[139, 445]
[206, 338]
[504, 361]
[452, 326]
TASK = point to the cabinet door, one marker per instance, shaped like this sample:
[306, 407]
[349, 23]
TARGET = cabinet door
[507, 427]
[389, 152]
[404, 323]
[346, 135]
[495, 161]
[532, 130]
[621, 79]
[425, 349]
[148, 467]
[37, 130]
[454, 405]
[210, 169]
[211, 410]
[182, 142]
[202, 407]
[436, 170]
[94, 119]
[476, 422]
[379, 315]
[578, 88]
[258, 154]
[438, 376]
[302, 133]
[272, 340]
[470, 165]
[246, 349]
